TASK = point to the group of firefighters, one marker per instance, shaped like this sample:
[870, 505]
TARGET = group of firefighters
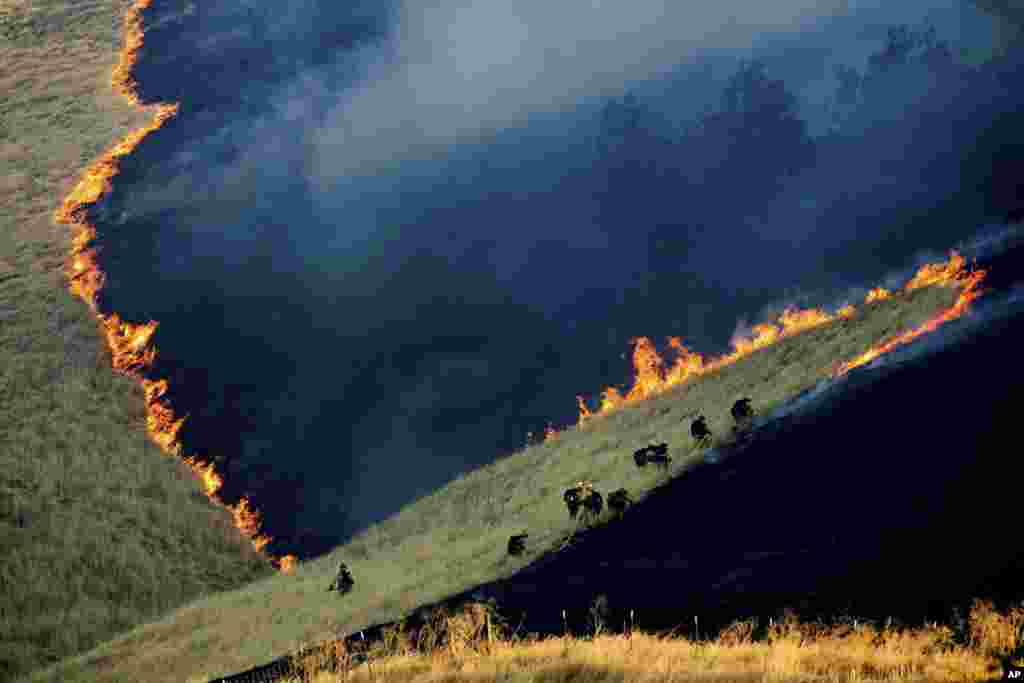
[583, 495]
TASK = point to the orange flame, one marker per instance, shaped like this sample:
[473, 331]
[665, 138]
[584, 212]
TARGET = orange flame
[130, 343]
[877, 294]
[938, 273]
[651, 376]
[122, 79]
[288, 564]
[212, 481]
[971, 290]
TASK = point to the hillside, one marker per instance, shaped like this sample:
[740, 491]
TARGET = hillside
[103, 533]
[455, 539]
[99, 530]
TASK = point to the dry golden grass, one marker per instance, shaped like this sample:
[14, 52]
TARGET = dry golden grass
[995, 633]
[459, 647]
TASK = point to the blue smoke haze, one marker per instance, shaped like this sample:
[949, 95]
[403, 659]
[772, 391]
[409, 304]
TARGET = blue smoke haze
[403, 231]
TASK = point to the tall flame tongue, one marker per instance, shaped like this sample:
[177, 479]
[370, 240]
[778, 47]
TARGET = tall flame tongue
[877, 294]
[652, 375]
[131, 343]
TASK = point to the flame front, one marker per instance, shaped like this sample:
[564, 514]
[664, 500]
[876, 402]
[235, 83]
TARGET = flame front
[946, 273]
[653, 376]
[550, 432]
[971, 286]
[877, 294]
[288, 564]
[122, 79]
[131, 344]
[133, 352]
[212, 481]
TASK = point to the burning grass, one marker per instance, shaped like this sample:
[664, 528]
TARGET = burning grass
[130, 342]
[79, 428]
[654, 375]
[952, 272]
[97, 531]
[133, 354]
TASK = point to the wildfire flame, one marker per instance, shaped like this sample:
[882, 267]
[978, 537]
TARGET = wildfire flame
[938, 273]
[971, 286]
[877, 294]
[288, 564]
[131, 344]
[653, 376]
[550, 432]
[134, 354]
[122, 79]
[212, 481]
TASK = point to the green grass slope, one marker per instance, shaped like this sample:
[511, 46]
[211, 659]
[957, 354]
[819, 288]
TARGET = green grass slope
[99, 530]
[455, 538]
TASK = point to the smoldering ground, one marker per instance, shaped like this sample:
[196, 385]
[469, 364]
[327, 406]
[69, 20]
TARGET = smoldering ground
[381, 249]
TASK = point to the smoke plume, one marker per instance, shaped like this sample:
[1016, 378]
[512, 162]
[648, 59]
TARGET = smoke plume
[384, 241]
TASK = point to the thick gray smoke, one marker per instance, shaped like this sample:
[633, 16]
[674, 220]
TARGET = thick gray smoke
[455, 70]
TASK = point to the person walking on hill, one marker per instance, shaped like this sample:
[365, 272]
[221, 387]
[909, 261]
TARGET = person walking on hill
[343, 581]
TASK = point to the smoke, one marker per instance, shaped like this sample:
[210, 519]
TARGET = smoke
[455, 71]
[383, 244]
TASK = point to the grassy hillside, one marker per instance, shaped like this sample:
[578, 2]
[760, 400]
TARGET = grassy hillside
[455, 538]
[100, 532]
[98, 529]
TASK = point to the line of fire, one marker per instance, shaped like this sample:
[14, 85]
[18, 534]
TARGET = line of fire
[652, 375]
